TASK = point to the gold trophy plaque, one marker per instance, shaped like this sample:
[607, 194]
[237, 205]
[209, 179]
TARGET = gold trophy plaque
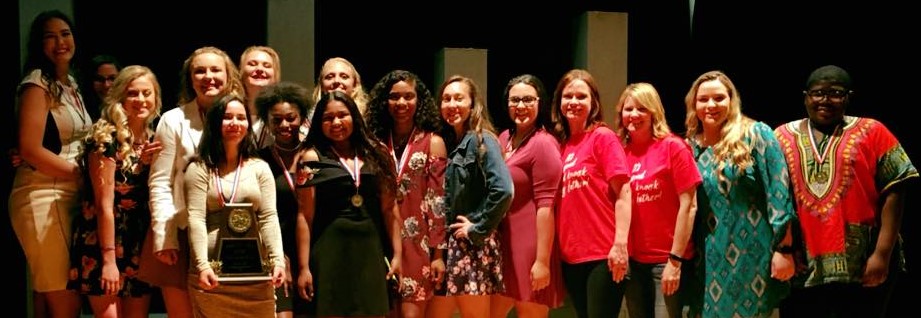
[240, 254]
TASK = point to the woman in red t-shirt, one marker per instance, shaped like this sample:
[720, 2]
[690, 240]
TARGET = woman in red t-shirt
[664, 181]
[593, 216]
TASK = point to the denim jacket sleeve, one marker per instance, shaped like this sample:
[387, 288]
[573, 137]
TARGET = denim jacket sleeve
[499, 188]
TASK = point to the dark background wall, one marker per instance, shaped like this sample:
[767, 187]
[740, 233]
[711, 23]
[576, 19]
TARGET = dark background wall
[768, 48]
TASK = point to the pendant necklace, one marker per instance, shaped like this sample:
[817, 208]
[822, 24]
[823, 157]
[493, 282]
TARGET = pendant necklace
[405, 153]
[78, 106]
[284, 169]
[819, 174]
[356, 198]
[236, 182]
[407, 149]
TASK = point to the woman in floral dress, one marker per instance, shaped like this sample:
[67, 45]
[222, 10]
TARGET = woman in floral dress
[478, 193]
[110, 232]
[402, 114]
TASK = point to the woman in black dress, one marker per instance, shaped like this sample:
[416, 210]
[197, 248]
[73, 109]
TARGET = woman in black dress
[282, 107]
[348, 225]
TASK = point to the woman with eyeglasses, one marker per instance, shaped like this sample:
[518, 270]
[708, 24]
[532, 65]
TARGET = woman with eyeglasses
[849, 175]
[744, 206]
[530, 267]
[102, 69]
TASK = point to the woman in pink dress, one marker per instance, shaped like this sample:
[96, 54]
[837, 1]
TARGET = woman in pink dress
[533, 284]
[403, 115]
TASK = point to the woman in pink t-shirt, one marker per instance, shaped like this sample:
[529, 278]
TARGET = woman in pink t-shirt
[531, 268]
[664, 181]
[593, 216]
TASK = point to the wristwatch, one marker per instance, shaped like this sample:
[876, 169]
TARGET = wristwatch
[679, 259]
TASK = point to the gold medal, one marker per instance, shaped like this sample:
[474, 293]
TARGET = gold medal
[821, 177]
[357, 200]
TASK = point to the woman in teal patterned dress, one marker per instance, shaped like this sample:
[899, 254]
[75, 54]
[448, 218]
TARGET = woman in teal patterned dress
[744, 209]
[109, 233]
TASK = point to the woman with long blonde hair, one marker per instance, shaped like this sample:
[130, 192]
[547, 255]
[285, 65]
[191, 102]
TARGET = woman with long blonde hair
[111, 230]
[338, 74]
[744, 205]
[260, 66]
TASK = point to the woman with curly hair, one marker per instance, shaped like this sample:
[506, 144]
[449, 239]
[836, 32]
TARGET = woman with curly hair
[403, 115]
[110, 232]
[282, 107]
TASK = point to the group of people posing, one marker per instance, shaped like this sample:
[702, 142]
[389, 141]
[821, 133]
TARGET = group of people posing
[403, 201]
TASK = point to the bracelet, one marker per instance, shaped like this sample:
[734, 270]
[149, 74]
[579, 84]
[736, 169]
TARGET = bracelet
[107, 248]
[786, 249]
[677, 258]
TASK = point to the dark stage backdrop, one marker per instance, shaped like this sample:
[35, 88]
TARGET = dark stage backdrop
[768, 48]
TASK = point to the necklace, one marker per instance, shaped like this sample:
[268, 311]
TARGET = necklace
[356, 199]
[511, 147]
[295, 148]
[284, 170]
[406, 145]
[236, 182]
[260, 136]
[819, 173]
[138, 144]
[77, 104]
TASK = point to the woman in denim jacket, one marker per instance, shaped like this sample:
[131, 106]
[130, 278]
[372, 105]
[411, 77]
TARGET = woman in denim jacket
[479, 192]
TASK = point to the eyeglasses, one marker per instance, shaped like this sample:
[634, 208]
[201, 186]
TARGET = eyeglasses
[832, 94]
[527, 100]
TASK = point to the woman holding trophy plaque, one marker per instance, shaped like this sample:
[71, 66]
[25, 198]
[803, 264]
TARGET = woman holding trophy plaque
[236, 249]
